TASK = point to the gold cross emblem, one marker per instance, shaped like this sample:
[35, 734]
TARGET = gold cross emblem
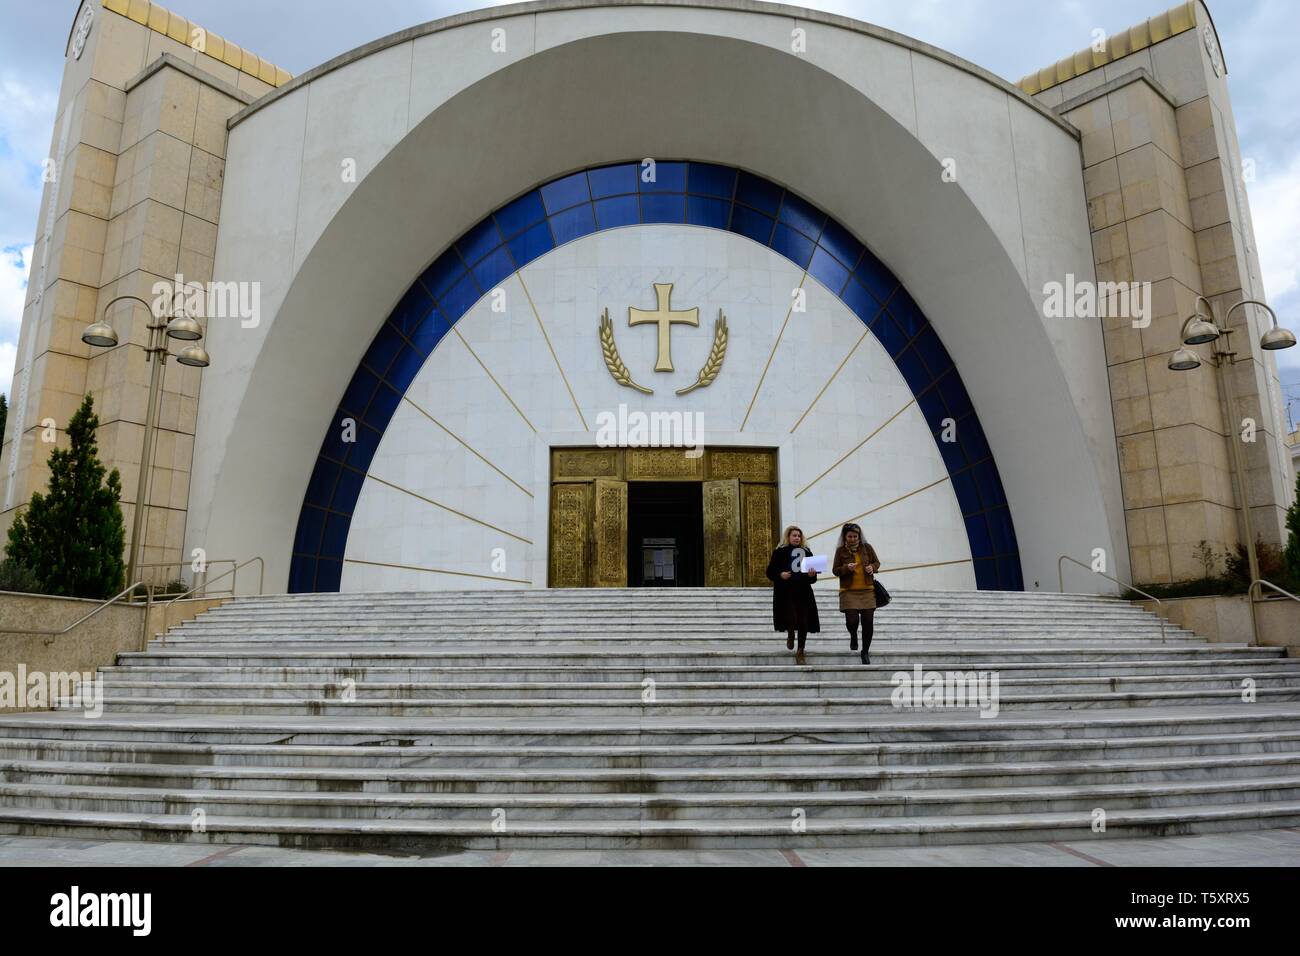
[665, 318]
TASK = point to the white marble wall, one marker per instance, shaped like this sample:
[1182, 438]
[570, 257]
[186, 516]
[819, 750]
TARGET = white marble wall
[888, 112]
[485, 460]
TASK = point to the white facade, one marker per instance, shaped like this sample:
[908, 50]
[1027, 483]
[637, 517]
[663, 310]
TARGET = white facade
[443, 129]
[511, 417]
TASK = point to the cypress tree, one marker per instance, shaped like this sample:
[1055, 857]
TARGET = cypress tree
[72, 538]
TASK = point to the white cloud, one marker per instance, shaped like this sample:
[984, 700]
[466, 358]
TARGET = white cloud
[1275, 209]
[26, 115]
[8, 358]
[26, 119]
[14, 263]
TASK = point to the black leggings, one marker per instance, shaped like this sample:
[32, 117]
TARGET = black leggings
[803, 636]
[851, 619]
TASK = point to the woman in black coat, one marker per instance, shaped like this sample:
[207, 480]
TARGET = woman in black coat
[794, 606]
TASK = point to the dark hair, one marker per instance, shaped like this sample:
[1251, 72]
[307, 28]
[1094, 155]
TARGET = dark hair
[844, 531]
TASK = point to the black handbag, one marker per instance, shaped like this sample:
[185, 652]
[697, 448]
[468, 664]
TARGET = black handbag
[882, 596]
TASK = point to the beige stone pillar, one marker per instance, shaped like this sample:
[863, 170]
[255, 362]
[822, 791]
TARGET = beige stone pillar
[1167, 206]
[133, 198]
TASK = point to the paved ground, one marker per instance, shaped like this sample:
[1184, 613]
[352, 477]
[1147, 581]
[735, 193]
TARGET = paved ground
[1254, 848]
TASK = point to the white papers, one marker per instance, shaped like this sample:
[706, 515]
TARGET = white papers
[814, 562]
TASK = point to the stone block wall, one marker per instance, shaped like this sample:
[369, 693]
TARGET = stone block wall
[134, 194]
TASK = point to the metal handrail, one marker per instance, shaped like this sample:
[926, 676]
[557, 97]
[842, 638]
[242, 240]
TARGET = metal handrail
[261, 576]
[1060, 578]
[1269, 584]
[144, 625]
[180, 564]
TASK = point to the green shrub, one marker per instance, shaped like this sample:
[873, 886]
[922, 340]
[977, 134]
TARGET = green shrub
[16, 577]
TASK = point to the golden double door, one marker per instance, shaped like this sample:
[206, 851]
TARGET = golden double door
[590, 512]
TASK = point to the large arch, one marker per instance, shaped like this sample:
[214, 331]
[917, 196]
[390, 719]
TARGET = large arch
[867, 148]
[615, 196]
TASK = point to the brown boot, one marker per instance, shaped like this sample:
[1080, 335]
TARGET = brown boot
[789, 641]
[799, 658]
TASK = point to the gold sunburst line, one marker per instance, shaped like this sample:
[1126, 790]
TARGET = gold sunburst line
[865, 332]
[439, 504]
[560, 368]
[839, 368]
[488, 372]
[466, 445]
[772, 354]
[871, 511]
[878, 430]
[416, 567]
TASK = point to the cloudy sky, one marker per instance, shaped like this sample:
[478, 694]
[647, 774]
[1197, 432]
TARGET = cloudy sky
[1008, 37]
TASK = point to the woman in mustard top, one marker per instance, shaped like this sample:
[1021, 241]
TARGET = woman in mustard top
[855, 565]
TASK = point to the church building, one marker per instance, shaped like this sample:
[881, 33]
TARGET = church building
[597, 293]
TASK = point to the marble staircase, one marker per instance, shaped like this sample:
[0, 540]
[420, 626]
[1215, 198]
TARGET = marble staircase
[669, 718]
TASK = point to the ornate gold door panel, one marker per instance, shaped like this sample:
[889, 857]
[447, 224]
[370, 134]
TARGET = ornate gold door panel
[722, 533]
[662, 464]
[579, 464]
[610, 565]
[570, 510]
[743, 463]
[758, 532]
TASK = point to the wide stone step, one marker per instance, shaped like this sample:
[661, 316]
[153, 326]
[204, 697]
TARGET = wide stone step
[667, 608]
[614, 596]
[661, 617]
[578, 780]
[702, 706]
[656, 729]
[216, 671]
[377, 759]
[308, 833]
[871, 687]
[658, 645]
[636, 806]
[642, 630]
[662, 608]
[614, 601]
[670, 612]
[661, 637]
[773, 654]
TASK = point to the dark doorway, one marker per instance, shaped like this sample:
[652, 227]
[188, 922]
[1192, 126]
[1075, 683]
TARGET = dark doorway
[665, 534]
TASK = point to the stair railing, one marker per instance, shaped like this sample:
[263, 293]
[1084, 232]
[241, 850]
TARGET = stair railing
[51, 634]
[180, 566]
[261, 575]
[1060, 578]
[1250, 600]
[1269, 584]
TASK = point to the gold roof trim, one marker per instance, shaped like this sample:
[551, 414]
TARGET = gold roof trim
[1172, 22]
[161, 20]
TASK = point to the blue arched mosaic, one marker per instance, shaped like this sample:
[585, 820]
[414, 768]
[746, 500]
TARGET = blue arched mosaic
[577, 205]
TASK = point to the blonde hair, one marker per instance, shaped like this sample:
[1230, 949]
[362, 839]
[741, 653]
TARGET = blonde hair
[785, 538]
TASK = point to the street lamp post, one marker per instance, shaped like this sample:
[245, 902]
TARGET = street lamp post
[101, 335]
[1199, 329]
